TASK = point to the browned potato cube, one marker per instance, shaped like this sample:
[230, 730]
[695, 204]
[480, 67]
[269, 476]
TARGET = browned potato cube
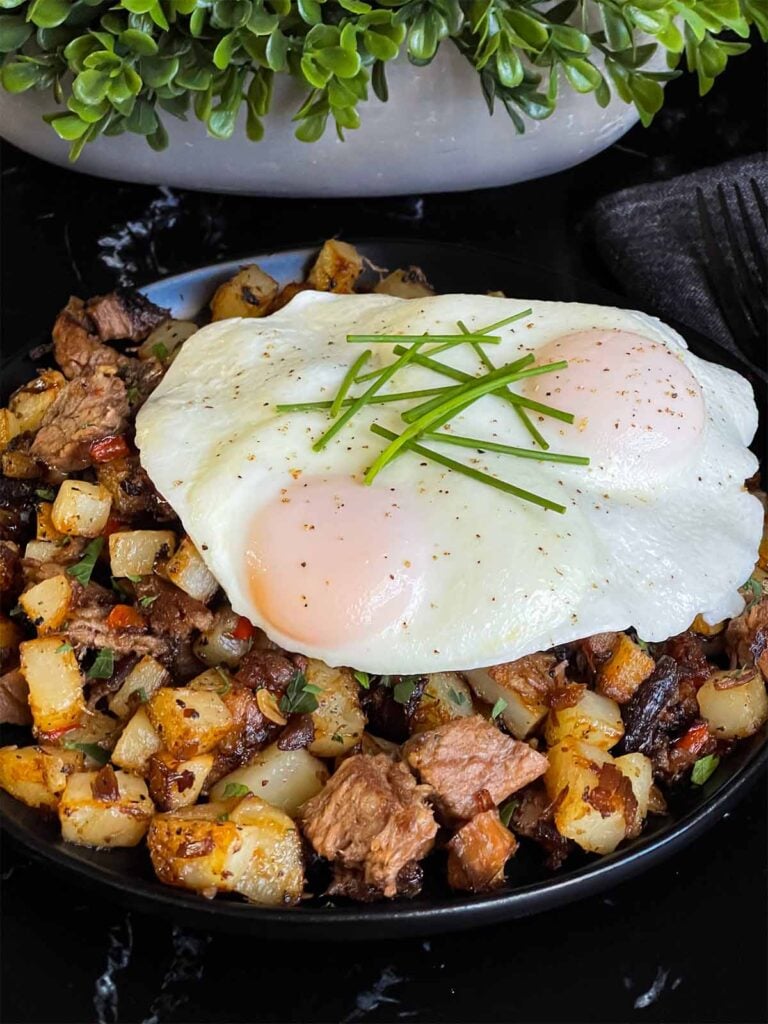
[55, 684]
[247, 847]
[189, 722]
[45, 528]
[523, 686]
[144, 679]
[624, 671]
[338, 719]
[249, 293]
[105, 808]
[30, 402]
[445, 697]
[173, 783]
[18, 465]
[336, 268]
[190, 573]
[47, 604]
[135, 552]
[593, 718]
[81, 509]
[594, 820]
[284, 778]
[9, 428]
[405, 284]
[37, 775]
[138, 742]
[734, 703]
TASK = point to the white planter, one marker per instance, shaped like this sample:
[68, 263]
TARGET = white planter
[434, 135]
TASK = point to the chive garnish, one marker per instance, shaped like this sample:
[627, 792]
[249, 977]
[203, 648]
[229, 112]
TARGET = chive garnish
[347, 382]
[442, 406]
[522, 415]
[418, 339]
[509, 371]
[498, 324]
[506, 449]
[366, 396]
[398, 396]
[474, 474]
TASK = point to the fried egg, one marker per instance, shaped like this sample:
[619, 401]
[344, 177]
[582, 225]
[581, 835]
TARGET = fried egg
[427, 569]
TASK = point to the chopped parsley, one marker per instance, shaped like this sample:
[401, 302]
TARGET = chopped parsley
[226, 682]
[103, 665]
[133, 395]
[222, 817]
[64, 649]
[92, 750]
[755, 589]
[83, 570]
[704, 768]
[133, 577]
[507, 810]
[299, 697]
[363, 678]
[403, 691]
[45, 493]
[457, 697]
[233, 789]
[337, 738]
[159, 351]
[141, 693]
[497, 708]
[148, 601]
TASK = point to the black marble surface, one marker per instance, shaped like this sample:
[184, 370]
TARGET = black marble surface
[685, 942]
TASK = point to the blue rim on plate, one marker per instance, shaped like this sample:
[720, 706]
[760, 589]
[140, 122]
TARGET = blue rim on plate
[126, 875]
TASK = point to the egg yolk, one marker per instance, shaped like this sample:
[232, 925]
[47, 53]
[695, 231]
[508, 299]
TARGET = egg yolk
[631, 398]
[331, 561]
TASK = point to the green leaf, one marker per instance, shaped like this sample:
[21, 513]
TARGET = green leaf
[528, 28]
[48, 13]
[235, 789]
[143, 119]
[277, 51]
[316, 76]
[254, 127]
[86, 112]
[20, 76]
[91, 86]
[509, 67]
[261, 22]
[158, 71]
[222, 55]
[346, 117]
[380, 46]
[92, 750]
[616, 31]
[64, 649]
[363, 679]
[103, 665]
[221, 122]
[157, 15]
[299, 697]
[583, 76]
[310, 11]
[403, 691]
[194, 79]
[338, 61]
[497, 708]
[138, 42]
[507, 810]
[704, 768]
[197, 21]
[69, 127]
[379, 81]
[77, 51]
[14, 32]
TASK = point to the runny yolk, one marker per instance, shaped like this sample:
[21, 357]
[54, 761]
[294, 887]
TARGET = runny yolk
[331, 561]
[631, 397]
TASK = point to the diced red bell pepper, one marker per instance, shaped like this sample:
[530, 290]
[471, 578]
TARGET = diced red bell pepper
[125, 616]
[243, 630]
[114, 446]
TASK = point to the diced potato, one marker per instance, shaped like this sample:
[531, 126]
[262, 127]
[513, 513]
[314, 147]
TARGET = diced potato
[47, 604]
[9, 428]
[37, 775]
[95, 729]
[31, 402]
[89, 820]
[190, 573]
[734, 703]
[55, 683]
[338, 719]
[594, 719]
[166, 338]
[45, 528]
[445, 697]
[284, 778]
[138, 742]
[43, 551]
[524, 686]
[81, 509]
[189, 722]
[217, 645]
[336, 268]
[19, 465]
[144, 679]
[173, 783]
[624, 671]
[249, 293]
[135, 552]
[574, 771]
[247, 847]
[405, 284]
[216, 679]
[639, 770]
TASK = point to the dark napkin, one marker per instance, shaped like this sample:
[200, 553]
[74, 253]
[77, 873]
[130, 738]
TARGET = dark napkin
[649, 237]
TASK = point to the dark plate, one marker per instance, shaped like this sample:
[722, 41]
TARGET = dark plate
[126, 875]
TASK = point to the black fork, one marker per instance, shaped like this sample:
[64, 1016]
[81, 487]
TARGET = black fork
[736, 265]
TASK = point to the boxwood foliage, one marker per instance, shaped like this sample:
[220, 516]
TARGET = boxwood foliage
[123, 65]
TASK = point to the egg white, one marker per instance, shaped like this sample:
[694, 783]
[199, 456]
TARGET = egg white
[642, 546]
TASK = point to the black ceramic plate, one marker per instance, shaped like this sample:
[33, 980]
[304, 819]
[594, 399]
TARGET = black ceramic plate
[127, 875]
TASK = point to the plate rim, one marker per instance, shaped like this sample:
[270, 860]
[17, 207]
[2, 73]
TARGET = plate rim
[397, 917]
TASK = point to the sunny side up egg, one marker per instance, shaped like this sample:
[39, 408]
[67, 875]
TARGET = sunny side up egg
[426, 569]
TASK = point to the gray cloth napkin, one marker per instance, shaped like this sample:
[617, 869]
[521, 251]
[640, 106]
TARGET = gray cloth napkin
[650, 238]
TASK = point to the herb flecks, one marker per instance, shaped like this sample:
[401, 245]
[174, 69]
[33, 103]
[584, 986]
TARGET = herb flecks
[103, 665]
[704, 768]
[300, 697]
[83, 570]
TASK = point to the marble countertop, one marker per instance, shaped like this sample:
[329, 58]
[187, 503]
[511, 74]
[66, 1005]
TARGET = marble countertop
[684, 942]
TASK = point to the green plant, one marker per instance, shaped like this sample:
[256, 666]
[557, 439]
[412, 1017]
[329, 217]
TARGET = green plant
[118, 66]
